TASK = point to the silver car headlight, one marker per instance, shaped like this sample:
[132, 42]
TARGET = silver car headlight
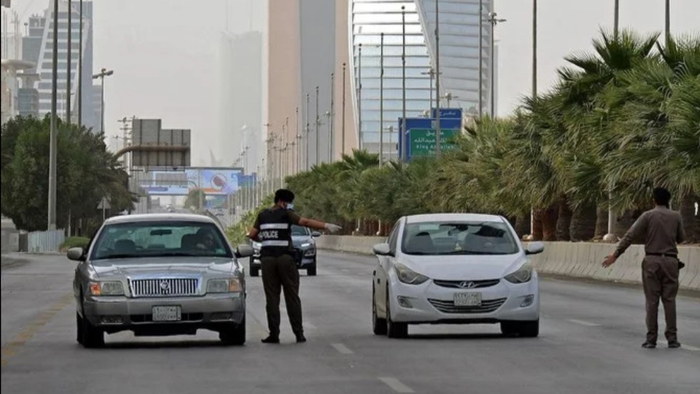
[232, 285]
[522, 275]
[408, 276]
[112, 288]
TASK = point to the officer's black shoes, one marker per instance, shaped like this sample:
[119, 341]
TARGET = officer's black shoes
[271, 339]
[649, 345]
[674, 345]
[301, 338]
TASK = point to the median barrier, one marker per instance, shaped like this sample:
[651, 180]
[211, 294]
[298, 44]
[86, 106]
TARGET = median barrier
[572, 259]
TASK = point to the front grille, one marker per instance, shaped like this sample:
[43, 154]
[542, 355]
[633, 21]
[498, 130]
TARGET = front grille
[180, 287]
[465, 284]
[487, 306]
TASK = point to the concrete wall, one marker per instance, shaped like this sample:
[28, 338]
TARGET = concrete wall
[578, 260]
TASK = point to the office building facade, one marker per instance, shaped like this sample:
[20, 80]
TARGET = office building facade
[37, 47]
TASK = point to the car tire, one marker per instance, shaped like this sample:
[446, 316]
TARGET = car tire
[529, 329]
[89, 336]
[393, 329]
[379, 326]
[311, 271]
[234, 335]
[255, 272]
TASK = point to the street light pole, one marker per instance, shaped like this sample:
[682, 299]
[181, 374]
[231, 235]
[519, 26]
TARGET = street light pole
[668, 22]
[80, 69]
[103, 73]
[403, 70]
[616, 23]
[343, 125]
[318, 123]
[331, 138]
[307, 132]
[69, 65]
[481, 57]
[437, 79]
[54, 124]
[359, 94]
[381, 101]
[493, 19]
[296, 138]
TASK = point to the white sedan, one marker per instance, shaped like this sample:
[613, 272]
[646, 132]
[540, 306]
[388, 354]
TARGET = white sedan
[455, 269]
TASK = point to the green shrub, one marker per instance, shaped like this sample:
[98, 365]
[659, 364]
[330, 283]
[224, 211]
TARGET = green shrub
[75, 242]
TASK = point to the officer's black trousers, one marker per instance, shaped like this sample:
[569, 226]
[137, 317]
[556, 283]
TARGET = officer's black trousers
[281, 273]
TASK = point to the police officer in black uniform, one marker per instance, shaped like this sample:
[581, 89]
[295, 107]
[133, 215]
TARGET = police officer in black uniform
[273, 229]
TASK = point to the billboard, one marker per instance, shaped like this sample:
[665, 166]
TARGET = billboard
[213, 181]
[149, 134]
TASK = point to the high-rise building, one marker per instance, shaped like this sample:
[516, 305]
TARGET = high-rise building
[37, 47]
[459, 62]
[241, 99]
[309, 39]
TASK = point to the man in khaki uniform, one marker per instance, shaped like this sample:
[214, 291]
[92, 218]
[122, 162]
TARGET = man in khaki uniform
[662, 229]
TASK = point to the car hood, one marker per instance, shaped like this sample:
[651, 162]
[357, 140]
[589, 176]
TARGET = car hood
[298, 240]
[163, 265]
[464, 267]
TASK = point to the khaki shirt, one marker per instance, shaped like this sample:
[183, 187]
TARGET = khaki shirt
[661, 229]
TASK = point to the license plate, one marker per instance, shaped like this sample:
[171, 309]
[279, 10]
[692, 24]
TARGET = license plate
[167, 313]
[467, 299]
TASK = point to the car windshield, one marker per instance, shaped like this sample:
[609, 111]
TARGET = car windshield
[157, 239]
[300, 230]
[458, 238]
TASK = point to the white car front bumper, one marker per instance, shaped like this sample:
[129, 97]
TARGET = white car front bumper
[429, 303]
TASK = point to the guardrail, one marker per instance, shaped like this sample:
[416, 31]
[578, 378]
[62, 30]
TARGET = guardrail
[45, 241]
[571, 259]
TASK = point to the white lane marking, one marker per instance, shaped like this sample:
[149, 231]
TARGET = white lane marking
[342, 349]
[683, 346]
[396, 385]
[583, 323]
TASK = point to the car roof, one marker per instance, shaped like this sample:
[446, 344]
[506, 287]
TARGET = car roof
[161, 217]
[454, 217]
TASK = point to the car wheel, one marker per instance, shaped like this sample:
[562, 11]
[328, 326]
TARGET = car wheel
[254, 272]
[311, 271]
[234, 334]
[529, 329]
[378, 325]
[89, 336]
[394, 330]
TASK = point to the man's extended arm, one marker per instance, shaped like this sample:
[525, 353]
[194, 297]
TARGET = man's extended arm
[638, 229]
[312, 223]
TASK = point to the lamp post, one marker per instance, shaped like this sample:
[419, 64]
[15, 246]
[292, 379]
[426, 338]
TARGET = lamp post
[80, 69]
[343, 125]
[437, 79]
[69, 65]
[101, 76]
[53, 138]
[494, 20]
[359, 94]
[381, 101]
[481, 58]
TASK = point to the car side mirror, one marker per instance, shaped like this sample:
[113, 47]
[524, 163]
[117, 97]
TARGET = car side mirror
[76, 254]
[382, 249]
[315, 234]
[244, 250]
[534, 248]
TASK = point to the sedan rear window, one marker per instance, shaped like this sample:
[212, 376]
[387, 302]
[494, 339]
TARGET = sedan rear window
[158, 239]
[458, 238]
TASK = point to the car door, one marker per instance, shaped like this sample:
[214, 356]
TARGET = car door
[384, 264]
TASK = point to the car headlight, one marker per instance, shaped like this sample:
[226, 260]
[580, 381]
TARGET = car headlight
[232, 285]
[408, 276]
[522, 275]
[306, 245]
[106, 288]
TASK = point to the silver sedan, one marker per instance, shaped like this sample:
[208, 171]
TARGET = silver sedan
[157, 275]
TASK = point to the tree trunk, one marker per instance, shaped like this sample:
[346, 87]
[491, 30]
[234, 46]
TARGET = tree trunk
[537, 229]
[601, 224]
[564, 220]
[687, 210]
[583, 223]
[522, 226]
[549, 223]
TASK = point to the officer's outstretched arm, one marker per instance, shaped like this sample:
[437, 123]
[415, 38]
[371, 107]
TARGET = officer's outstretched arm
[311, 223]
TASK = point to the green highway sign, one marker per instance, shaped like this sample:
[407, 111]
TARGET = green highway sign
[423, 141]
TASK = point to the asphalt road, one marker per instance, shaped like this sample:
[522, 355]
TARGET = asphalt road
[590, 343]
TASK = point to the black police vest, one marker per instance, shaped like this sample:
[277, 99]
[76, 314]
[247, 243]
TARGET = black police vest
[275, 232]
